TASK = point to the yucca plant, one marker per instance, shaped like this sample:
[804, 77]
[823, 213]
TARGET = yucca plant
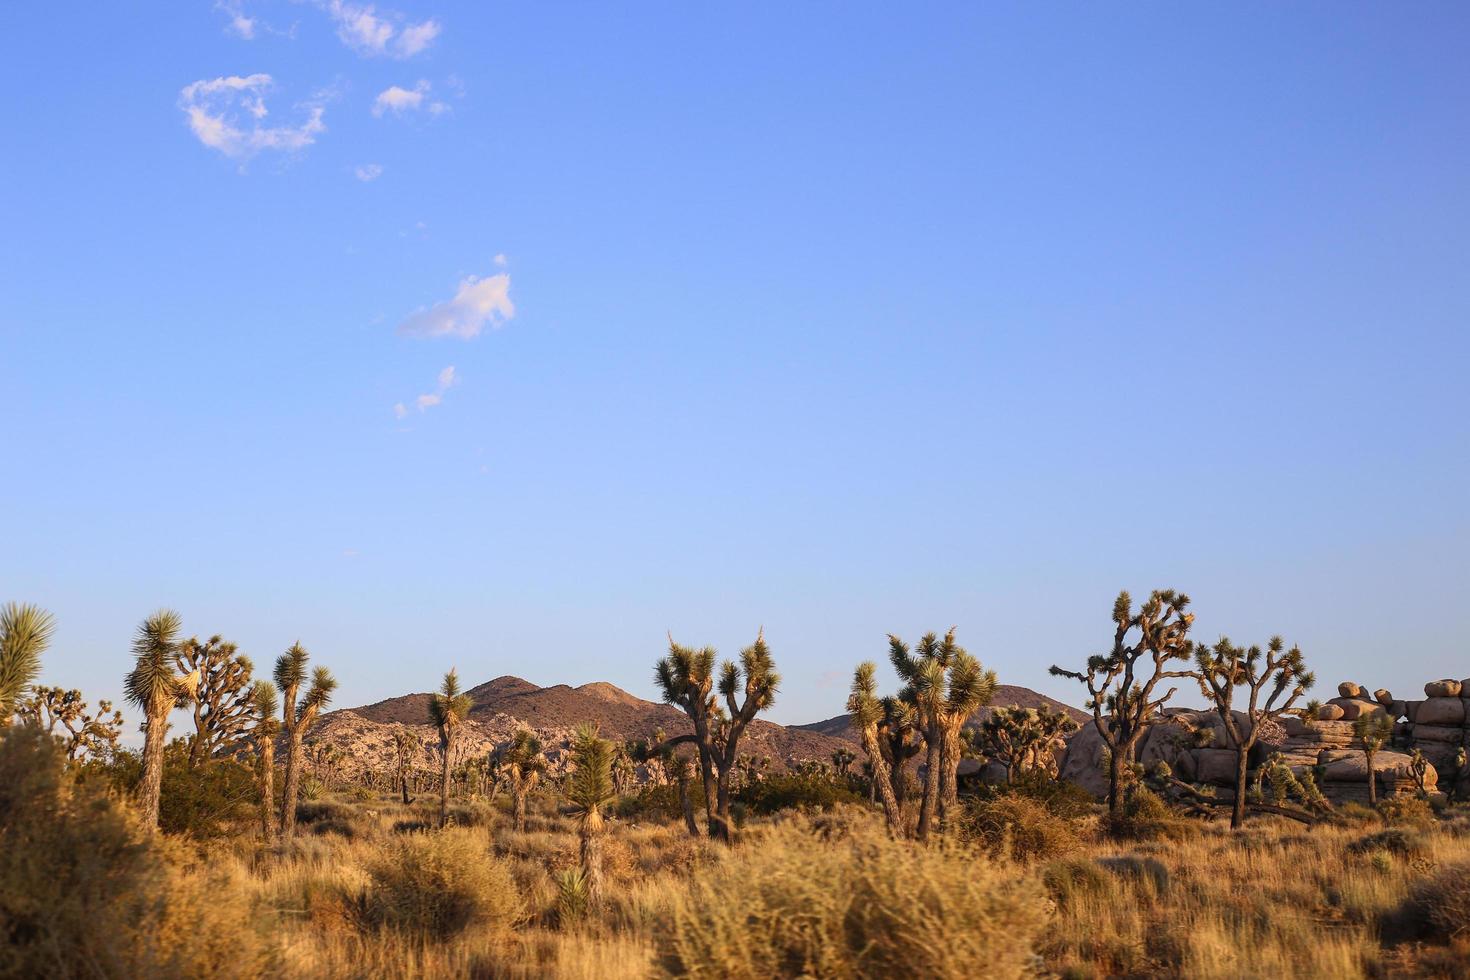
[264, 703]
[297, 719]
[520, 764]
[867, 714]
[589, 788]
[685, 678]
[1372, 732]
[25, 633]
[155, 687]
[448, 709]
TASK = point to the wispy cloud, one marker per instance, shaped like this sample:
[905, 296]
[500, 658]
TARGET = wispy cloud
[399, 100]
[368, 172]
[215, 110]
[479, 303]
[447, 379]
[240, 25]
[388, 34]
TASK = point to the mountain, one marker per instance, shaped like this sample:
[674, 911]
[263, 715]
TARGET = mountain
[1006, 695]
[365, 734]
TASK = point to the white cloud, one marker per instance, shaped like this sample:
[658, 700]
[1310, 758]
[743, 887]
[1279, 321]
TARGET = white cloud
[368, 172]
[363, 30]
[213, 109]
[501, 260]
[447, 379]
[399, 100]
[477, 304]
[240, 25]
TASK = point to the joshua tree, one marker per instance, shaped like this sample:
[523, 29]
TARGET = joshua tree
[589, 788]
[1024, 739]
[867, 715]
[157, 688]
[1276, 671]
[223, 705]
[264, 704]
[947, 686]
[297, 718]
[672, 767]
[684, 677]
[1372, 730]
[521, 765]
[25, 633]
[901, 740]
[448, 710]
[842, 760]
[405, 748]
[88, 734]
[623, 769]
[1120, 696]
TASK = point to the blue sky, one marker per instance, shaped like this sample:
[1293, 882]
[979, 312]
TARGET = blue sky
[836, 319]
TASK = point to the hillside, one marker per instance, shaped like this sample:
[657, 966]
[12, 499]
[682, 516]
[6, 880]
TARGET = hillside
[506, 703]
[1006, 695]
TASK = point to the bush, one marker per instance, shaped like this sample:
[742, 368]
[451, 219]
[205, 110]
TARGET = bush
[209, 801]
[795, 791]
[1407, 811]
[860, 906]
[654, 803]
[440, 885]
[1394, 840]
[1441, 902]
[1062, 798]
[85, 891]
[1068, 880]
[1146, 817]
[1020, 827]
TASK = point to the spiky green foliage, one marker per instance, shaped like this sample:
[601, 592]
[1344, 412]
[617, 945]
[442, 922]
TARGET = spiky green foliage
[589, 788]
[222, 701]
[1372, 732]
[685, 678]
[448, 709]
[156, 687]
[1121, 683]
[25, 633]
[1278, 673]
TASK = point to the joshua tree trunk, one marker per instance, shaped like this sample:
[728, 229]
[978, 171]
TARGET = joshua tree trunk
[931, 786]
[150, 787]
[520, 808]
[444, 787]
[1372, 779]
[1115, 780]
[720, 825]
[590, 853]
[880, 782]
[268, 790]
[403, 784]
[1237, 811]
[711, 795]
[292, 788]
[949, 768]
[688, 805]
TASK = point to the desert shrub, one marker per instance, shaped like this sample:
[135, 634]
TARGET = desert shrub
[1441, 901]
[1065, 799]
[1137, 869]
[85, 891]
[860, 906]
[315, 811]
[1394, 840]
[1070, 879]
[1407, 811]
[1019, 827]
[209, 801]
[1146, 817]
[342, 828]
[795, 791]
[653, 803]
[1355, 815]
[440, 885]
[362, 794]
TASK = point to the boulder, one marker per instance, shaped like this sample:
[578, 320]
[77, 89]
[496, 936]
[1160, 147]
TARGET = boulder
[1442, 689]
[1439, 733]
[1215, 766]
[1348, 689]
[1383, 697]
[1398, 710]
[1330, 712]
[1352, 767]
[1354, 708]
[1082, 762]
[1294, 726]
[1441, 711]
